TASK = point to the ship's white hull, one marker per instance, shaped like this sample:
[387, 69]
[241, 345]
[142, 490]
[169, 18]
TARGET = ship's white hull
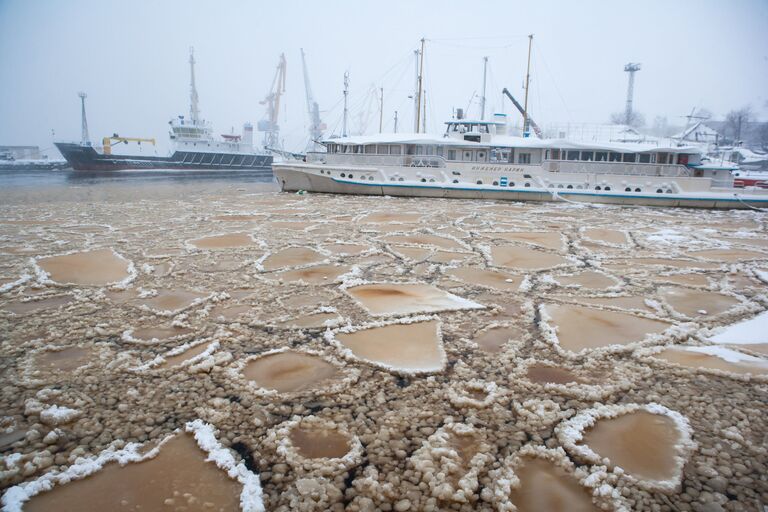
[540, 185]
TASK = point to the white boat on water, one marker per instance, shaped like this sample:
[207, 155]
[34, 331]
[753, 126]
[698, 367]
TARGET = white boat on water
[478, 160]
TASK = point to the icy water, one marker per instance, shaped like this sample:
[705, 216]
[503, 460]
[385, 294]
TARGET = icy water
[394, 319]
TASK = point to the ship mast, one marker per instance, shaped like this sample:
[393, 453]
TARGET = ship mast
[346, 110]
[194, 111]
[527, 81]
[421, 82]
[84, 139]
[482, 100]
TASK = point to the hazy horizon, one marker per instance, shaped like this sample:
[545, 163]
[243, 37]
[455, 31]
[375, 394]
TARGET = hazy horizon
[132, 60]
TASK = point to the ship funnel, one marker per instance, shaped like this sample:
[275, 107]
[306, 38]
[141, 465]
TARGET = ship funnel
[248, 134]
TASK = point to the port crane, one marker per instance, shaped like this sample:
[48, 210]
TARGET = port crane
[269, 126]
[107, 142]
[316, 126]
[526, 116]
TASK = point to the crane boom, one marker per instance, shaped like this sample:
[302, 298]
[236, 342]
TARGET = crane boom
[107, 142]
[269, 126]
[533, 124]
[316, 126]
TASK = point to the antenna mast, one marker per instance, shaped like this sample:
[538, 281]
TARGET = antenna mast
[381, 111]
[84, 139]
[421, 82]
[395, 121]
[527, 81]
[630, 68]
[416, 91]
[482, 101]
[346, 111]
[194, 112]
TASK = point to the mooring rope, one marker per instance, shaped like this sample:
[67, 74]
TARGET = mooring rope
[749, 205]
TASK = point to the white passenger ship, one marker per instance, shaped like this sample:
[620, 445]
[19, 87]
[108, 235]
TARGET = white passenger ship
[478, 160]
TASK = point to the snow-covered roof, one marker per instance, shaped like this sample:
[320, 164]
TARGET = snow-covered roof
[698, 132]
[398, 138]
[619, 147]
[515, 142]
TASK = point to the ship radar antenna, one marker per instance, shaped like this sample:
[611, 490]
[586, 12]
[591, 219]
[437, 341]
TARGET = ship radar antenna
[194, 111]
[84, 138]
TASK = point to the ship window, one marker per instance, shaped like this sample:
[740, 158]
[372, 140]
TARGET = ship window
[569, 186]
[343, 175]
[669, 191]
[645, 158]
[217, 159]
[572, 155]
[628, 157]
[451, 154]
[553, 154]
[467, 155]
[495, 183]
[598, 187]
[601, 156]
[423, 180]
[239, 160]
[661, 158]
[481, 156]
[399, 179]
[479, 182]
[637, 190]
[395, 150]
[628, 189]
[370, 149]
[455, 181]
[370, 178]
[524, 158]
[382, 149]
[227, 160]
[659, 191]
[350, 176]
[208, 158]
[431, 180]
[587, 156]
[511, 183]
[614, 157]
[527, 184]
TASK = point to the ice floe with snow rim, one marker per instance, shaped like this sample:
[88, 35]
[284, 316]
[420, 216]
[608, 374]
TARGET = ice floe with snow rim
[550, 331]
[113, 278]
[592, 379]
[450, 461]
[598, 484]
[394, 299]
[572, 432]
[251, 499]
[327, 382]
[752, 331]
[709, 359]
[339, 449]
[55, 363]
[222, 241]
[406, 346]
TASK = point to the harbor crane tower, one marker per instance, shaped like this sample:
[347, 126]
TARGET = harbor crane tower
[630, 68]
[316, 126]
[269, 125]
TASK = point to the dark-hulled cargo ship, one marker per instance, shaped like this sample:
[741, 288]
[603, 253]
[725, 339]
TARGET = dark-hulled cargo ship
[194, 147]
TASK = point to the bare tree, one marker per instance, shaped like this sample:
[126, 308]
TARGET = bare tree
[736, 121]
[636, 121]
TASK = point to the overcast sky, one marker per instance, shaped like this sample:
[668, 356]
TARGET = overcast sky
[131, 59]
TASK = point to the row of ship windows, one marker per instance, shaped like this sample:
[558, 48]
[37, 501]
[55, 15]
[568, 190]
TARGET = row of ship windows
[606, 188]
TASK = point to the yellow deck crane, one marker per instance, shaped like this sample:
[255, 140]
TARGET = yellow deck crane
[107, 142]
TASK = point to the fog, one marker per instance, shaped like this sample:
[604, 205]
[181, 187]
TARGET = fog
[132, 60]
